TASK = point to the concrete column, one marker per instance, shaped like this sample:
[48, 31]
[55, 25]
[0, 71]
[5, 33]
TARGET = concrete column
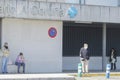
[118, 2]
[104, 48]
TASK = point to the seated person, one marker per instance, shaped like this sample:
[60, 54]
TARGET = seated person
[20, 61]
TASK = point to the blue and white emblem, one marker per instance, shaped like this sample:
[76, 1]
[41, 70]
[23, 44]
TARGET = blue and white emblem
[72, 12]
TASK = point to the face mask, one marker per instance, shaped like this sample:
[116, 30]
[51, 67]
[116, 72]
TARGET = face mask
[6, 47]
[85, 47]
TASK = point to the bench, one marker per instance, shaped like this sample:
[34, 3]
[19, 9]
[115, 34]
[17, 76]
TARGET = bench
[12, 68]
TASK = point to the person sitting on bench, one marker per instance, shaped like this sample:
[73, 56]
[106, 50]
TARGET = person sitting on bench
[20, 61]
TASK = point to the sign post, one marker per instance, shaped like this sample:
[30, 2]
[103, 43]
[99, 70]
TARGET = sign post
[108, 67]
[80, 70]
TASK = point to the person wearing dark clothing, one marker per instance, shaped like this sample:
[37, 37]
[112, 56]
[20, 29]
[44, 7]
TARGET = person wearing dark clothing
[84, 57]
[113, 59]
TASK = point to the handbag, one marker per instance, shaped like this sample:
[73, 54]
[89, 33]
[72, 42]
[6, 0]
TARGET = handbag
[82, 59]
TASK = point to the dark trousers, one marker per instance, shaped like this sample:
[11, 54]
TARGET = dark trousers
[113, 66]
[20, 64]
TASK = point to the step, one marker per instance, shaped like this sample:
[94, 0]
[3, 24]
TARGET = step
[36, 77]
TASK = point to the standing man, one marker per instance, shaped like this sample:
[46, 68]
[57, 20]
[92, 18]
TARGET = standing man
[84, 57]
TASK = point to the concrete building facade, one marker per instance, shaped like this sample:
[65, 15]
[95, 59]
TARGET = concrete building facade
[87, 2]
[102, 2]
[39, 52]
[36, 28]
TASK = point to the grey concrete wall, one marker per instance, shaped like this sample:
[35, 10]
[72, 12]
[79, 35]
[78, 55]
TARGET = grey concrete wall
[88, 2]
[71, 63]
[42, 53]
[95, 63]
[61, 1]
[118, 2]
[102, 2]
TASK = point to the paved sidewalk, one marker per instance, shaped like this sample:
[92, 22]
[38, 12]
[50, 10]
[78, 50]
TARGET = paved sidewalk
[93, 74]
[98, 78]
[60, 76]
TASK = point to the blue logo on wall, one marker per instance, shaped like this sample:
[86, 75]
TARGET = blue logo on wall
[72, 12]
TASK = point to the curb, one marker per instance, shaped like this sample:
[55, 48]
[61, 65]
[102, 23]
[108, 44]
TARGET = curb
[95, 74]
